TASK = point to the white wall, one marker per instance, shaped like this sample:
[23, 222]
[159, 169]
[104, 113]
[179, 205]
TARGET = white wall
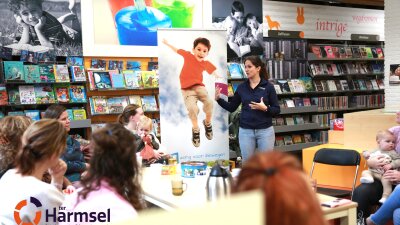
[392, 52]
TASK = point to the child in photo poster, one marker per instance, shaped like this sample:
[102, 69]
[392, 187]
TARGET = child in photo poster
[192, 87]
[38, 27]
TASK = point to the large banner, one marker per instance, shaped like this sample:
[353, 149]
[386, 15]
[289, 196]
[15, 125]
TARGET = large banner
[120, 28]
[59, 23]
[322, 22]
[178, 108]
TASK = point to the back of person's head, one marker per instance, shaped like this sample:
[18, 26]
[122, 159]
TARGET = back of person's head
[257, 62]
[145, 122]
[42, 140]
[289, 198]
[201, 40]
[54, 111]
[114, 161]
[11, 130]
[383, 134]
[15, 5]
[129, 110]
[237, 7]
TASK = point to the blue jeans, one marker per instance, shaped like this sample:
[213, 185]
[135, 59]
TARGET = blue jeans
[250, 139]
[389, 210]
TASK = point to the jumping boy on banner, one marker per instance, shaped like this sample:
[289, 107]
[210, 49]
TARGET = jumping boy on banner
[193, 89]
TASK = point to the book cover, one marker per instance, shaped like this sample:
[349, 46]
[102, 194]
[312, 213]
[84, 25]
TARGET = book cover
[98, 105]
[61, 73]
[335, 51]
[349, 52]
[287, 139]
[316, 51]
[27, 56]
[381, 84]
[368, 50]
[297, 139]
[5, 53]
[134, 65]
[70, 114]
[284, 86]
[98, 64]
[280, 121]
[336, 202]
[78, 73]
[298, 119]
[338, 85]
[62, 92]
[231, 92]
[133, 79]
[298, 102]
[289, 103]
[149, 78]
[318, 85]
[117, 80]
[235, 85]
[363, 52]
[115, 65]
[342, 52]
[289, 121]
[368, 83]
[79, 114]
[307, 138]
[323, 52]
[306, 102]
[223, 87]
[374, 84]
[74, 61]
[374, 52]
[279, 141]
[32, 74]
[3, 95]
[152, 66]
[276, 86]
[135, 99]
[356, 52]
[27, 94]
[44, 94]
[13, 96]
[379, 51]
[235, 70]
[33, 114]
[149, 103]
[116, 105]
[77, 93]
[13, 70]
[102, 80]
[46, 73]
[16, 113]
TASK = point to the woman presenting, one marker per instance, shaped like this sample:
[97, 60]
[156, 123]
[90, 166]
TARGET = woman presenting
[259, 104]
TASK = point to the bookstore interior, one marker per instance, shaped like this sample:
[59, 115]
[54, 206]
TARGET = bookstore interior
[332, 64]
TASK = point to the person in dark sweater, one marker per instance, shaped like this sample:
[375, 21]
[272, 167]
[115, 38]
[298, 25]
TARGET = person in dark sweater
[259, 104]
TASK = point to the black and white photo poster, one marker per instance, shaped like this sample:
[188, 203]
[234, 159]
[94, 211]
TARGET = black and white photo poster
[41, 26]
[243, 23]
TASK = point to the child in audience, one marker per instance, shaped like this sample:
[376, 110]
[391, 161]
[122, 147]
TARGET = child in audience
[113, 177]
[146, 141]
[386, 143]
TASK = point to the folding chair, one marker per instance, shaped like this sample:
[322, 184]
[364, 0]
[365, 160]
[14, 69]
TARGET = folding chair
[337, 157]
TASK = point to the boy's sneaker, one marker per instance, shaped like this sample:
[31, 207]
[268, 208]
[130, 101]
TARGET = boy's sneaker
[366, 180]
[209, 132]
[196, 137]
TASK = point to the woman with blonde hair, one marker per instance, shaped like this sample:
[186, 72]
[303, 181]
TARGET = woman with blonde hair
[42, 144]
[289, 198]
[11, 130]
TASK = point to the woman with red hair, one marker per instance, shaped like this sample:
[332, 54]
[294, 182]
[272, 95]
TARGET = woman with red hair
[289, 198]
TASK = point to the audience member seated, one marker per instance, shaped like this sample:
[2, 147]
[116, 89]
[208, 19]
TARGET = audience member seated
[289, 198]
[42, 145]
[112, 181]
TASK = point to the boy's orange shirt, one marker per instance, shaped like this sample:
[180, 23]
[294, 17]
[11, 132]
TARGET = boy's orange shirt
[192, 70]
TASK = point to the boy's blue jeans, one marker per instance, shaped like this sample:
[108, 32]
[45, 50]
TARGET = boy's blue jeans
[389, 210]
[250, 139]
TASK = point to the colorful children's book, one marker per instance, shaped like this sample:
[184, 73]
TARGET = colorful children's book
[152, 66]
[117, 80]
[149, 78]
[62, 92]
[115, 65]
[61, 73]
[231, 92]
[13, 95]
[98, 64]
[78, 73]
[223, 87]
[135, 99]
[379, 51]
[77, 93]
[133, 79]
[70, 114]
[133, 65]
[116, 105]
[13, 70]
[235, 71]
[44, 94]
[98, 105]
[79, 114]
[149, 103]
[46, 73]
[32, 74]
[27, 94]
[74, 61]
[3, 95]
[33, 114]
[16, 113]
[102, 80]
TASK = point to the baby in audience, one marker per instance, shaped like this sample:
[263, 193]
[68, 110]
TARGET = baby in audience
[145, 141]
[386, 143]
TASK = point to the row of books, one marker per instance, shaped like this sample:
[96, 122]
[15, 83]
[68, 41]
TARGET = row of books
[115, 105]
[345, 68]
[34, 114]
[342, 102]
[294, 102]
[42, 94]
[286, 69]
[15, 71]
[293, 139]
[129, 79]
[322, 119]
[156, 126]
[346, 52]
[102, 64]
[291, 49]
[367, 100]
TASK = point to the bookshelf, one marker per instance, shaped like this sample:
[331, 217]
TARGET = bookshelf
[52, 82]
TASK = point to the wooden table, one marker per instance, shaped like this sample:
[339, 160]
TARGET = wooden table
[346, 213]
